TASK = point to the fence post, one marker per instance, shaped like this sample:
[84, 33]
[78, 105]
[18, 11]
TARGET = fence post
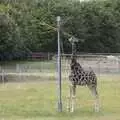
[3, 77]
[59, 68]
[119, 66]
[48, 56]
[18, 70]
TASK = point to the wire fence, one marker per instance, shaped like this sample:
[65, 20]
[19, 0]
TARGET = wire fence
[34, 71]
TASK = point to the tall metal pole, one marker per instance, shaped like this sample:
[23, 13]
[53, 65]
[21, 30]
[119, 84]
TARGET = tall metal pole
[59, 67]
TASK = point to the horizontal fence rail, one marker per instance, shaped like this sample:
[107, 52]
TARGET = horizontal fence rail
[47, 69]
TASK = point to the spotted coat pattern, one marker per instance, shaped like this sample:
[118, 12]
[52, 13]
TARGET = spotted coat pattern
[79, 76]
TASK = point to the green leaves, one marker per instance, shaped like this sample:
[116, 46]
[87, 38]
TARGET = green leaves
[26, 25]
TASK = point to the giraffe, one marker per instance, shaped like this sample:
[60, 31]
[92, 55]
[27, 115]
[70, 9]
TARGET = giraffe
[79, 77]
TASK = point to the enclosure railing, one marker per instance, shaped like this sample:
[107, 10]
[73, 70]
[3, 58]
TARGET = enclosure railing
[46, 69]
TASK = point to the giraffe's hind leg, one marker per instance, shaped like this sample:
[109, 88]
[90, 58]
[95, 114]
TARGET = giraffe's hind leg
[94, 92]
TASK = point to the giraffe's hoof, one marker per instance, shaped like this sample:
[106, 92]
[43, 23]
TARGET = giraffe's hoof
[97, 110]
[72, 111]
[68, 109]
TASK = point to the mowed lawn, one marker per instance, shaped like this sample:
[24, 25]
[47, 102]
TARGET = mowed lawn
[38, 101]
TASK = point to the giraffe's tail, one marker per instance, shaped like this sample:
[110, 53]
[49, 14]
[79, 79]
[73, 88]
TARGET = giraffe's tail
[92, 72]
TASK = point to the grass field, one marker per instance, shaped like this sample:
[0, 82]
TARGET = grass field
[35, 97]
[38, 101]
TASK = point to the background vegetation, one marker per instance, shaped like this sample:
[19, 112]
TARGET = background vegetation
[25, 26]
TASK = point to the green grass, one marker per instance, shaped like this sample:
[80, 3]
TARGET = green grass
[38, 101]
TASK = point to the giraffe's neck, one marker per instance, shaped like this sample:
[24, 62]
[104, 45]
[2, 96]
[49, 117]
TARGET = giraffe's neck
[75, 66]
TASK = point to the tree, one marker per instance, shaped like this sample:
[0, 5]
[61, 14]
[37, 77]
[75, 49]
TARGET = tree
[95, 22]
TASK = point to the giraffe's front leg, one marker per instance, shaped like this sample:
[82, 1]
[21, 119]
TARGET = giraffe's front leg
[73, 104]
[68, 103]
[69, 100]
[73, 92]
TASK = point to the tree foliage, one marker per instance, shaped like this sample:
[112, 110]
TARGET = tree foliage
[25, 26]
